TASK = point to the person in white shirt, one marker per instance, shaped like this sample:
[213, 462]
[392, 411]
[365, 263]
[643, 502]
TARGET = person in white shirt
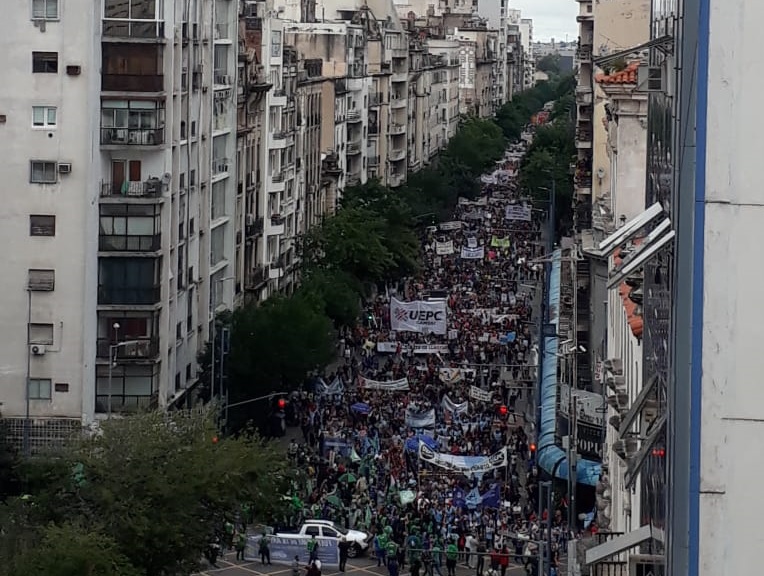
[470, 546]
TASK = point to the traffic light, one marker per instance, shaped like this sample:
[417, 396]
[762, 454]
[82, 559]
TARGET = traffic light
[660, 452]
[503, 410]
[281, 403]
[533, 448]
[215, 439]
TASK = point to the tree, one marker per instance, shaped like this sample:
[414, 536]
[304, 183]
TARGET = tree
[71, 550]
[549, 64]
[151, 488]
[9, 465]
[273, 348]
[334, 293]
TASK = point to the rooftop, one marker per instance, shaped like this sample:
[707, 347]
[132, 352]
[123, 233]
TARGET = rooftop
[626, 76]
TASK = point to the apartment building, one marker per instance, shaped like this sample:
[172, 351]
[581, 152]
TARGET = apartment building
[120, 149]
[529, 59]
[478, 47]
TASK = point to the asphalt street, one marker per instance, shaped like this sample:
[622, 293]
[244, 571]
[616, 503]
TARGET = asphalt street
[363, 566]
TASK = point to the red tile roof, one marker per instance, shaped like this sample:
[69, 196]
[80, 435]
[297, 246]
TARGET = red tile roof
[626, 76]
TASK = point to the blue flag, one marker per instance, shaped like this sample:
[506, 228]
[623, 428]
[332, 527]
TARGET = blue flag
[473, 499]
[458, 498]
[492, 497]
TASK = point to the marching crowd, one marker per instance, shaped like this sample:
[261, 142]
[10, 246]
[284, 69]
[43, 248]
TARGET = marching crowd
[420, 438]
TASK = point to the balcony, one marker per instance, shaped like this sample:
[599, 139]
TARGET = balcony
[278, 176]
[132, 136]
[373, 161]
[277, 225]
[353, 116]
[398, 102]
[353, 149]
[124, 243]
[222, 79]
[120, 29]
[132, 82]
[278, 139]
[353, 181]
[585, 13]
[376, 99]
[584, 53]
[255, 278]
[275, 271]
[139, 349]
[584, 137]
[220, 166]
[254, 227]
[397, 154]
[395, 179]
[151, 188]
[397, 129]
[399, 76]
[129, 295]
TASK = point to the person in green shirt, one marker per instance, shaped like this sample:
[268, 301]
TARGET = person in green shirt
[391, 552]
[413, 546]
[312, 549]
[452, 554]
[240, 543]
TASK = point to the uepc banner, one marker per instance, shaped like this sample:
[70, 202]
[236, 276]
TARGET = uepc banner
[473, 253]
[418, 316]
[517, 212]
[463, 463]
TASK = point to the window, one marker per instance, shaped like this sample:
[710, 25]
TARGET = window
[45, 62]
[311, 531]
[127, 281]
[41, 225]
[43, 172]
[43, 116]
[41, 280]
[41, 334]
[45, 9]
[329, 533]
[39, 388]
[62, 387]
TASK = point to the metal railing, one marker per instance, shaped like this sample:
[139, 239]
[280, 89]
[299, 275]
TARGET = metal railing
[140, 348]
[147, 189]
[132, 136]
[137, 29]
[132, 82]
[220, 165]
[123, 243]
[120, 295]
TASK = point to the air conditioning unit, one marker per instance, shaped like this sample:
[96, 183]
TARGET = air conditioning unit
[619, 447]
[650, 411]
[651, 79]
[615, 382]
[614, 366]
[64, 168]
[37, 350]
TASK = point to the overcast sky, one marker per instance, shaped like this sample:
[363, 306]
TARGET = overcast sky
[551, 18]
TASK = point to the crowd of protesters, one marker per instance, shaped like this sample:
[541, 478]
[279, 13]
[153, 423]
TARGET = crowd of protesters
[460, 393]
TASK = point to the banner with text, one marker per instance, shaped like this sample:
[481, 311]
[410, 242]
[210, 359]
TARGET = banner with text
[481, 395]
[389, 386]
[418, 316]
[473, 253]
[465, 464]
[283, 550]
[444, 248]
[431, 349]
[497, 242]
[453, 225]
[517, 212]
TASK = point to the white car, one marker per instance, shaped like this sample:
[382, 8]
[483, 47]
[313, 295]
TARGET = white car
[359, 541]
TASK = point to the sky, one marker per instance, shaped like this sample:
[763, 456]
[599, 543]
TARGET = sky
[551, 18]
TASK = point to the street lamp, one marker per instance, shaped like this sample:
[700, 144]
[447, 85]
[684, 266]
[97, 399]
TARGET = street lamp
[215, 285]
[113, 348]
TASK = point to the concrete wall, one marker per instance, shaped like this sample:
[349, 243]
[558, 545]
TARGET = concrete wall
[620, 24]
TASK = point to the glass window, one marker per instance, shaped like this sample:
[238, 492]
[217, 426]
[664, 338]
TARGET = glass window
[42, 225]
[39, 388]
[45, 9]
[43, 172]
[45, 62]
[43, 116]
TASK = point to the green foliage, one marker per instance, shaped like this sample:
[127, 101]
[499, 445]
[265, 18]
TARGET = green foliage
[9, 465]
[71, 550]
[548, 159]
[516, 114]
[334, 293]
[549, 64]
[273, 347]
[155, 488]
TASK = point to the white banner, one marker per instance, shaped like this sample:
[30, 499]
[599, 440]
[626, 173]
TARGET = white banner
[420, 419]
[473, 253]
[444, 248]
[480, 394]
[465, 464]
[335, 387]
[387, 347]
[517, 212]
[454, 375]
[418, 316]
[430, 349]
[453, 225]
[390, 386]
[453, 407]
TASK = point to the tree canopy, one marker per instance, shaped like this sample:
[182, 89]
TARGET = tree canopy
[141, 496]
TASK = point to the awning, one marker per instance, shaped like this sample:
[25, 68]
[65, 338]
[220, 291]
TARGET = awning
[629, 229]
[623, 543]
[636, 462]
[637, 406]
[650, 246]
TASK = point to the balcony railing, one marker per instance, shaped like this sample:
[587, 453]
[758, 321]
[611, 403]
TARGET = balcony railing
[254, 228]
[353, 116]
[354, 148]
[397, 128]
[222, 78]
[124, 403]
[220, 165]
[278, 176]
[132, 82]
[149, 189]
[256, 278]
[583, 135]
[122, 243]
[397, 154]
[132, 136]
[134, 29]
[126, 296]
[141, 348]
